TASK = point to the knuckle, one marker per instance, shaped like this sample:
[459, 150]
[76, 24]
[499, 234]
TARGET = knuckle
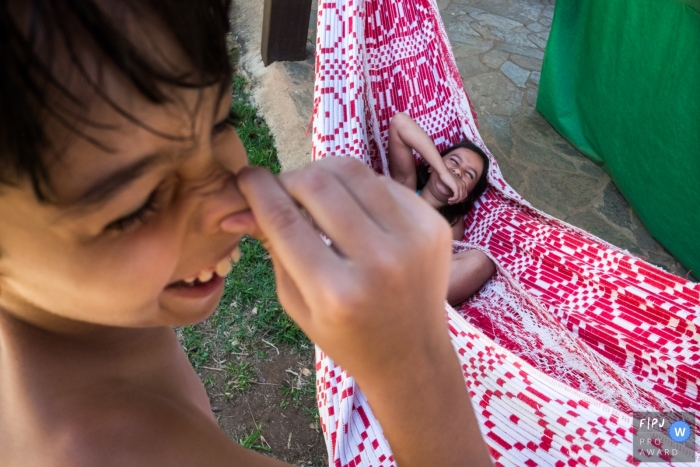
[434, 227]
[290, 178]
[387, 263]
[284, 217]
[353, 166]
[357, 166]
[313, 181]
[342, 301]
[380, 270]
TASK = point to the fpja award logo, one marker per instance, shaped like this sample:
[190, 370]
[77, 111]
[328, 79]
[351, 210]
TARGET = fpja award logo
[664, 437]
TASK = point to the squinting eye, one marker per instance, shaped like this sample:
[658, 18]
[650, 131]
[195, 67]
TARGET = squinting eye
[224, 124]
[137, 217]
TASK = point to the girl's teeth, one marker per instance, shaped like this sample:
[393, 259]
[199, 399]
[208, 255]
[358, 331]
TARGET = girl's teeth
[205, 276]
[191, 281]
[223, 268]
[236, 254]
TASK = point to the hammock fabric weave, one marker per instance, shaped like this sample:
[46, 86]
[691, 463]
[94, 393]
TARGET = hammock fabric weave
[568, 338]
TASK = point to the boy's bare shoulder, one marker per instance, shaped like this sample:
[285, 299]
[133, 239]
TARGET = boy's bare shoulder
[135, 428]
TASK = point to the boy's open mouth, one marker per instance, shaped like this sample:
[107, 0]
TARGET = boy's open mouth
[208, 279]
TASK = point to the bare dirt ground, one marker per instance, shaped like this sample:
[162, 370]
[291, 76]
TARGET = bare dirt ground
[287, 429]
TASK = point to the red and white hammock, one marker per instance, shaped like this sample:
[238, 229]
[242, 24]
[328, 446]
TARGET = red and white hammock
[569, 337]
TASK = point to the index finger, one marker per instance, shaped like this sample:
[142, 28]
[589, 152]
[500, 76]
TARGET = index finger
[287, 233]
[456, 191]
[397, 208]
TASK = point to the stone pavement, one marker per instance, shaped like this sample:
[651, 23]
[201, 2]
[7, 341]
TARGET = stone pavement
[499, 46]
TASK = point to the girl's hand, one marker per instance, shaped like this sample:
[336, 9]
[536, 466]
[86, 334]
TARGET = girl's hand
[456, 184]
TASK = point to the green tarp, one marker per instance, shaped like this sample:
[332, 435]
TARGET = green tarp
[621, 81]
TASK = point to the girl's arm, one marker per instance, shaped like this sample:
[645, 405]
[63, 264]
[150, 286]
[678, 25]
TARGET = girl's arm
[402, 167]
[469, 271]
[405, 135]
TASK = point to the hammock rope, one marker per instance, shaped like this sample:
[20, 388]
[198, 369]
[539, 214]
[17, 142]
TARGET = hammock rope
[571, 334]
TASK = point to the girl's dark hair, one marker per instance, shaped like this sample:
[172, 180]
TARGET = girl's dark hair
[33, 32]
[454, 212]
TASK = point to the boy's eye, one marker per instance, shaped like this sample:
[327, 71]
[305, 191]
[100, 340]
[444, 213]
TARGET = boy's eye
[222, 125]
[137, 217]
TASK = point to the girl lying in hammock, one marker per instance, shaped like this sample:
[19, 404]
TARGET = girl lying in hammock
[450, 183]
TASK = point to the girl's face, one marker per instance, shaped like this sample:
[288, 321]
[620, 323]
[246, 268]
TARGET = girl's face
[134, 216]
[464, 164]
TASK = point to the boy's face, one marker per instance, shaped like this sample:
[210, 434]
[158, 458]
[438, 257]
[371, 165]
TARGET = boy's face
[135, 215]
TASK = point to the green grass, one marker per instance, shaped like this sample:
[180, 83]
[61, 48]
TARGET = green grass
[208, 382]
[242, 375]
[251, 441]
[249, 310]
[252, 129]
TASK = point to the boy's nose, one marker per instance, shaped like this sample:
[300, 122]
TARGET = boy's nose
[215, 173]
[220, 209]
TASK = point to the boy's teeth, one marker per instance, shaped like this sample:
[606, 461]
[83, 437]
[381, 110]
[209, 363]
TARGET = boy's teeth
[205, 276]
[236, 254]
[223, 268]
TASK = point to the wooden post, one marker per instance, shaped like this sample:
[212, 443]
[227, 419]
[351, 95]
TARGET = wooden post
[285, 29]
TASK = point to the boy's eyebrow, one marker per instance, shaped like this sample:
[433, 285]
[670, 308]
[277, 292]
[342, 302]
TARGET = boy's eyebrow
[107, 187]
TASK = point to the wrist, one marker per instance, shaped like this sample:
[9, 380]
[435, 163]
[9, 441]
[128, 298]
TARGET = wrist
[426, 414]
[443, 174]
[434, 361]
[441, 168]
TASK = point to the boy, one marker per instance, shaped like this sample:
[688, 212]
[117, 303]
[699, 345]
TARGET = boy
[124, 194]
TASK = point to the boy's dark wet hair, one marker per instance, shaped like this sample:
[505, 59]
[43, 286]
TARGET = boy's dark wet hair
[31, 31]
[455, 212]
